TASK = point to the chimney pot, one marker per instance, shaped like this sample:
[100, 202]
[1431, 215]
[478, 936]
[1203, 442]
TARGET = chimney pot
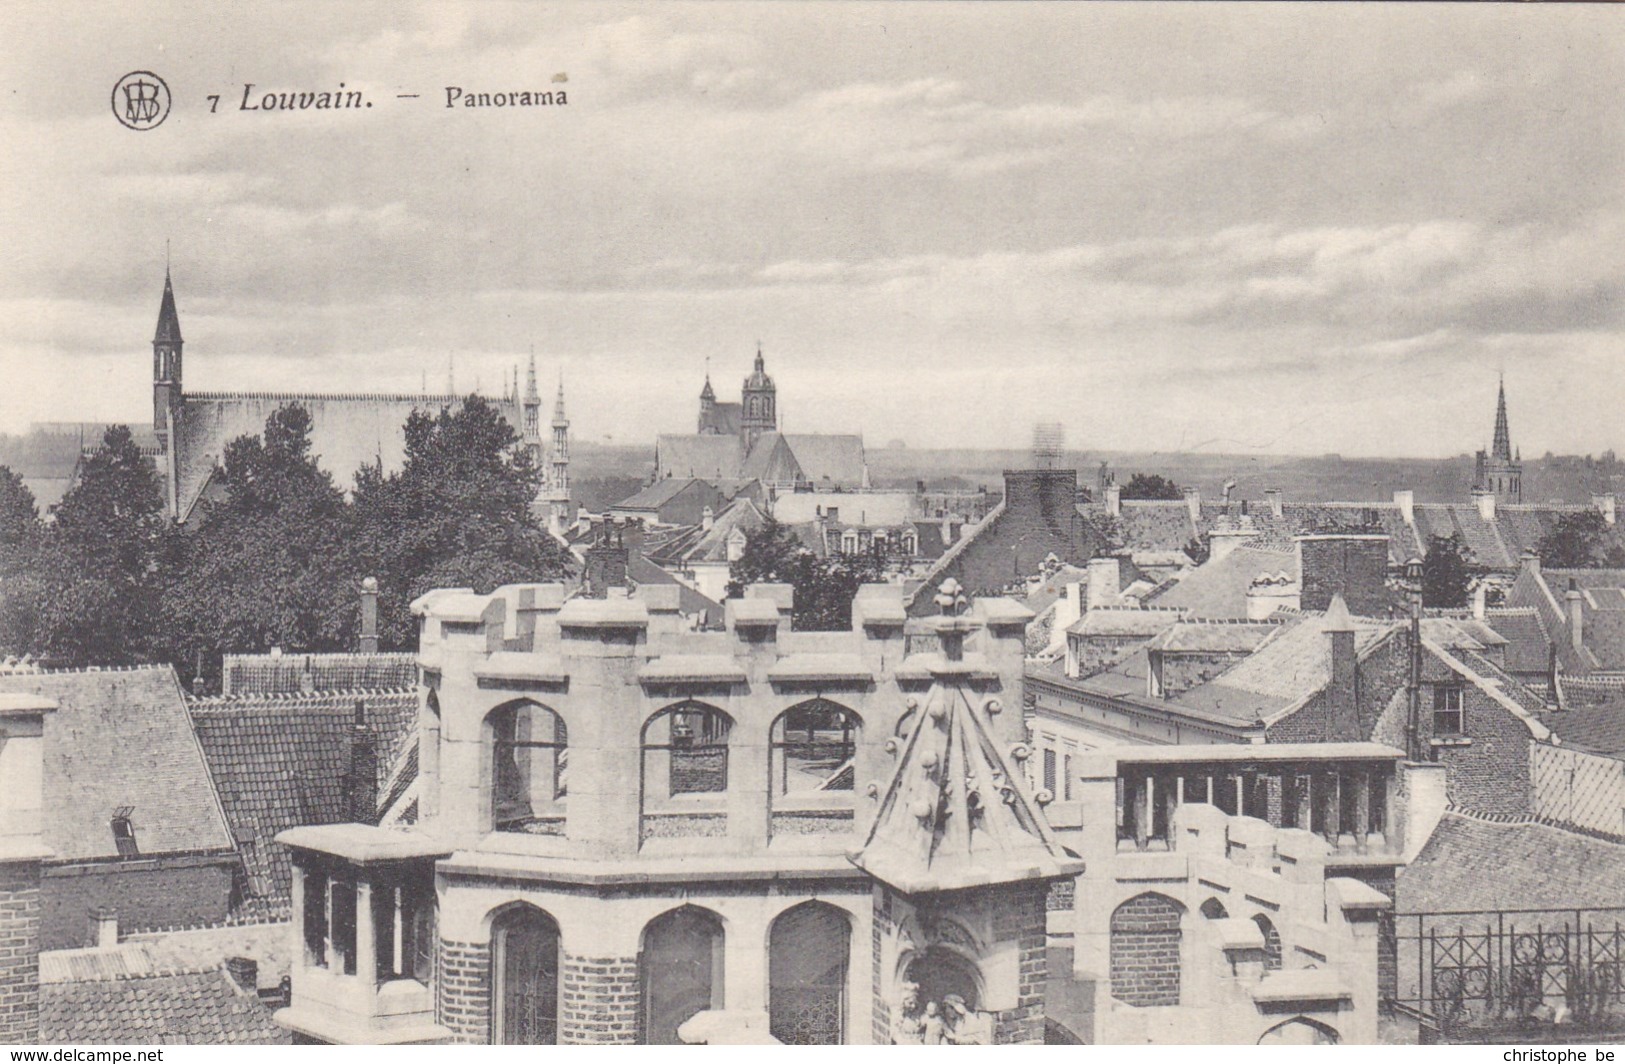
[1277, 507]
[245, 972]
[104, 921]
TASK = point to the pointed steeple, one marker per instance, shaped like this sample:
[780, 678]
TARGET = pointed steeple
[558, 405]
[169, 322]
[531, 394]
[1502, 447]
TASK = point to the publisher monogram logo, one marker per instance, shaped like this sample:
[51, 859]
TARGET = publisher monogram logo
[141, 100]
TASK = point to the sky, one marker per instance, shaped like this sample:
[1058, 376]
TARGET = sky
[1227, 228]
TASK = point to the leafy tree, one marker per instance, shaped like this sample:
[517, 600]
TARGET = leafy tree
[98, 564]
[1447, 572]
[1150, 486]
[20, 533]
[456, 515]
[1581, 541]
[824, 587]
[265, 566]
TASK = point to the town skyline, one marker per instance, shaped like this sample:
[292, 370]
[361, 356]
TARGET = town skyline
[1330, 240]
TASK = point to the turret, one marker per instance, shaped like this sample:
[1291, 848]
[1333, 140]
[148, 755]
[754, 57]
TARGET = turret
[759, 411]
[167, 401]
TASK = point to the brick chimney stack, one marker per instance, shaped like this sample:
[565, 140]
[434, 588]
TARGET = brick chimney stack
[1342, 692]
[1576, 608]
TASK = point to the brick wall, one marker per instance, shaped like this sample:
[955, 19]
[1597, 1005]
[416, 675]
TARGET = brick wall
[463, 991]
[19, 953]
[1145, 943]
[600, 1000]
[146, 896]
[1491, 773]
[1019, 915]
[884, 927]
[1381, 676]
[1355, 568]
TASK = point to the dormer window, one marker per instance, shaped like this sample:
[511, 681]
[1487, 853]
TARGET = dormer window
[124, 833]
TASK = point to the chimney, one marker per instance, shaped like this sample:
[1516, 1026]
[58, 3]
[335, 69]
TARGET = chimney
[1342, 693]
[1104, 587]
[369, 615]
[1529, 562]
[1193, 503]
[1222, 540]
[104, 926]
[1405, 499]
[307, 678]
[583, 520]
[361, 781]
[1485, 501]
[1605, 506]
[708, 517]
[606, 563]
[1576, 616]
[1277, 507]
[1351, 564]
[245, 972]
[1114, 499]
[1481, 596]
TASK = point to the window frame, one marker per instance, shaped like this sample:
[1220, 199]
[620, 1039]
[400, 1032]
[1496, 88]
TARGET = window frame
[1443, 695]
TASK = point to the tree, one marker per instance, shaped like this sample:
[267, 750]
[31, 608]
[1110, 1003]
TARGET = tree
[20, 533]
[455, 515]
[1447, 572]
[98, 564]
[265, 567]
[824, 587]
[1150, 486]
[1581, 541]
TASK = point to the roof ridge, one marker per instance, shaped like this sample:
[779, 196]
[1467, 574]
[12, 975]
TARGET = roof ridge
[223, 701]
[90, 669]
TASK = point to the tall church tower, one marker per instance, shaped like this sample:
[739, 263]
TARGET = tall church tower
[167, 399]
[759, 411]
[533, 416]
[1500, 470]
[708, 407]
[558, 472]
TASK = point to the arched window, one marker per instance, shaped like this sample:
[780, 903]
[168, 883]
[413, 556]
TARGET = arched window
[813, 745]
[1145, 950]
[680, 967]
[1272, 942]
[525, 978]
[529, 769]
[808, 949]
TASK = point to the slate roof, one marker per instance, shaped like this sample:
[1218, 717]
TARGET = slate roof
[706, 457]
[1602, 609]
[1207, 637]
[280, 762]
[203, 1007]
[263, 674]
[1472, 864]
[641, 570]
[654, 496]
[829, 458]
[859, 508]
[1594, 729]
[1218, 589]
[771, 461]
[122, 738]
[710, 545]
[1122, 621]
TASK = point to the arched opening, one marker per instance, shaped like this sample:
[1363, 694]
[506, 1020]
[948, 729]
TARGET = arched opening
[812, 753]
[685, 771]
[1213, 909]
[681, 970]
[1145, 950]
[525, 978]
[529, 769]
[1272, 942]
[807, 953]
[1300, 1031]
[940, 1001]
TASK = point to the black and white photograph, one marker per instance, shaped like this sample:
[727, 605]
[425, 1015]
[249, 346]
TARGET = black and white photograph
[824, 522]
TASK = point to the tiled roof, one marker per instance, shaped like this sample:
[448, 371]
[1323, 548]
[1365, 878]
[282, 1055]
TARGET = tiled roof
[280, 761]
[1147, 525]
[771, 461]
[858, 508]
[1219, 588]
[653, 496]
[1595, 729]
[641, 570]
[1209, 637]
[1471, 864]
[1125, 622]
[697, 456]
[121, 738]
[262, 674]
[167, 1008]
[711, 545]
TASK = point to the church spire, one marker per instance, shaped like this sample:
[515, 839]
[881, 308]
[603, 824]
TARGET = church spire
[1502, 448]
[169, 322]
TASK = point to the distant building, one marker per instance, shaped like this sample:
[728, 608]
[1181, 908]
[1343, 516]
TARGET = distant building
[741, 441]
[348, 431]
